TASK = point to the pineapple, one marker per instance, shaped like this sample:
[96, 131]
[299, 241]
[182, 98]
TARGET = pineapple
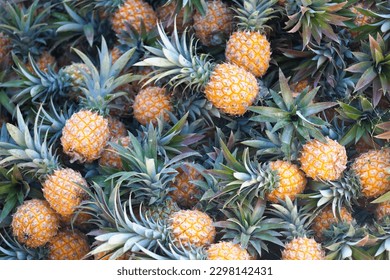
[133, 12]
[323, 161]
[34, 223]
[186, 194]
[73, 73]
[326, 218]
[226, 251]
[167, 14]
[299, 243]
[248, 47]
[150, 103]
[216, 25]
[191, 227]
[62, 187]
[86, 134]
[370, 167]
[291, 181]
[228, 87]
[68, 245]
[117, 128]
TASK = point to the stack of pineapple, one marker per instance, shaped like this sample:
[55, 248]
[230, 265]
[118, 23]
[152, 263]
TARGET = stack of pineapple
[167, 129]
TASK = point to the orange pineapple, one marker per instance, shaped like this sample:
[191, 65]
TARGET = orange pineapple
[230, 88]
[117, 128]
[63, 190]
[370, 167]
[150, 103]
[213, 28]
[323, 161]
[326, 219]
[248, 47]
[192, 227]
[134, 12]
[226, 251]
[35, 223]
[303, 248]
[186, 193]
[85, 135]
[68, 245]
[291, 182]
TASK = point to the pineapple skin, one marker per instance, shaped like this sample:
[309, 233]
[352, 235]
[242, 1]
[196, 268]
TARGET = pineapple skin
[68, 245]
[110, 158]
[231, 89]
[63, 191]
[35, 223]
[371, 167]
[303, 248]
[192, 227]
[132, 12]
[216, 25]
[150, 103]
[292, 181]
[85, 135]
[227, 251]
[326, 219]
[323, 161]
[249, 50]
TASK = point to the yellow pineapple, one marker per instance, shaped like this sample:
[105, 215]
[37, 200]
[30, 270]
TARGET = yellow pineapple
[133, 12]
[370, 167]
[150, 103]
[86, 132]
[248, 47]
[84, 136]
[230, 88]
[323, 161]
[110, 157]
[303, 248]
[35, 223]
[68, 245]
[226, 251]
[291, 181]
[186, 194]
[382, 210]
[73, 73]
[299, 245]
[326, 218]
[192, 227]
[216, 25]
[117, 128]
[63, 190]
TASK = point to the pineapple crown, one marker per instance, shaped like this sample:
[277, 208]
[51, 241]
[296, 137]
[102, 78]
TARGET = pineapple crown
[315, 19]
[147, 173]
[84, 26]
[244, 180]
[341, 193]
[101, 85]
[37, 85]
[295, 220]
[121, 231]
[253, 14]
[108, 5]
[178, 61]
[247, 225]
[294, 116]
[189, 7]
[373, 67]
[27, 28]
[28, 151]
[345, 240]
